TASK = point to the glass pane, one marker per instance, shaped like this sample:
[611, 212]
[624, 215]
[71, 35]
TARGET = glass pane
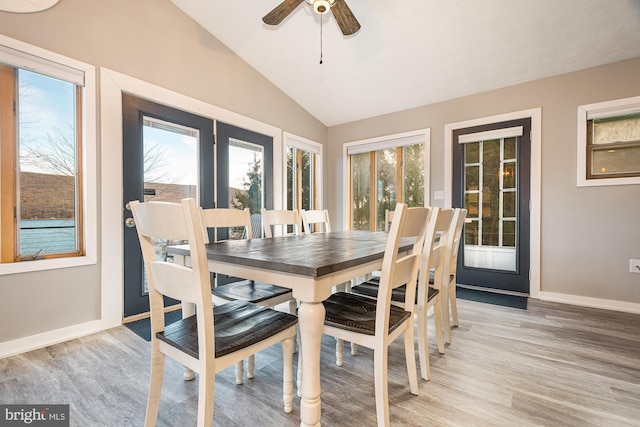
[386, 181]
[509, 205]
[246, 175]
[471, 233]
[360, 172]
[472, 178]
[509, 233]
[290, 179]
[621, 160]
[510, 148]
[47, 211]
[472, 152]
[509, 175]
[413, 175]
[471, 205]
[307, 180]
[616, 129]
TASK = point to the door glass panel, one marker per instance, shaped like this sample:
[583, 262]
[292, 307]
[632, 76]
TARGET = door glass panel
[491, 195]
[170, 168]
[246, 175]
[360, 184]
[386, 181]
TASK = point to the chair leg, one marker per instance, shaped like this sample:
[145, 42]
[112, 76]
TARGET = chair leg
[454, 304]
[354, 349]
[239, 372]
[287, 374]
[206, 389]
[437, 320]
[339, 351]
[155, 386]
[293, 308]
[410, 355]
[423, 343]
[446, 321]
[381, 386]
[251, 363]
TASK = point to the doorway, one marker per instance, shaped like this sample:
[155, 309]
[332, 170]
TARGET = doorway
[491, 179]
[168, 154]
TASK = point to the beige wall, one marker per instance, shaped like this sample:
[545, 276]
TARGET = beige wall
[154, 41]
[588, 234]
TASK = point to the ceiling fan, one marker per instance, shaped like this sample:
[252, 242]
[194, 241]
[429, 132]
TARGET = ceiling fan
[347, 22]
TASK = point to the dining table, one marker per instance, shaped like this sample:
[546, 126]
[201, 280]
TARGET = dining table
[310, 265]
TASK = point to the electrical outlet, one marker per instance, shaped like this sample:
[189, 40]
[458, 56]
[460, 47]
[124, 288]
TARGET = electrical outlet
[438, 195]
[634, 265]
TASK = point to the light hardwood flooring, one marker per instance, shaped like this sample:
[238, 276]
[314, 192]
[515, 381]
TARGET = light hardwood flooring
[551, 365]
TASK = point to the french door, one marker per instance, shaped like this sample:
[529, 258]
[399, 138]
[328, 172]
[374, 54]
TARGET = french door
[491, 179]
[168, 154]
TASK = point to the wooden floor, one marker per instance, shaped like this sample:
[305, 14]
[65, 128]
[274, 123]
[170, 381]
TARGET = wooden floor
[551, 365]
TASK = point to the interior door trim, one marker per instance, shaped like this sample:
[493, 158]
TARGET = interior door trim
[535, 114]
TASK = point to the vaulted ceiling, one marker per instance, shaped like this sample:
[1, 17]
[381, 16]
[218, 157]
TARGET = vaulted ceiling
[410, 53]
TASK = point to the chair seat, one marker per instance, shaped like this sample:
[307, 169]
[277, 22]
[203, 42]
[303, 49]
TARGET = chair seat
[358, 313]
[238, 325]
[249, 291]
[370, 289]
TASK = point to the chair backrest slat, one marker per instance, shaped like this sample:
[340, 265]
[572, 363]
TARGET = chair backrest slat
[312, 218]
[281, 218]
[228, 218]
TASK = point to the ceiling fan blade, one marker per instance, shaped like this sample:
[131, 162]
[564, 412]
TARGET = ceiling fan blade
[347, 22]
[280, 12]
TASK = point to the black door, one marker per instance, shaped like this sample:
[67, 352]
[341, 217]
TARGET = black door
[491, 179]
[244, 174]
[167, 156]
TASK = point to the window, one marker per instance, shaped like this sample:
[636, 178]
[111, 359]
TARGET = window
[303, 173]
[381, 173]
[609, 142]
[42, 129]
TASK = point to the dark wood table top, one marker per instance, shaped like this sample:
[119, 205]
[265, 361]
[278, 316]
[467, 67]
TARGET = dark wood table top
[313, 255]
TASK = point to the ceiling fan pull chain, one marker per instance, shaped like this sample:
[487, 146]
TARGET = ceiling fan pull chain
[320, 39]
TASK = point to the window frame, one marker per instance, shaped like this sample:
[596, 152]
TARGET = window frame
[584, 148]
[86, 151]
[397, 141]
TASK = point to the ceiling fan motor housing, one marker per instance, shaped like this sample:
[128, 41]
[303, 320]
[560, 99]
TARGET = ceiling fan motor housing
[322, 6]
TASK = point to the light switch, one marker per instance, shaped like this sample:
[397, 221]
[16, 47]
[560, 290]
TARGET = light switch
[438, 195]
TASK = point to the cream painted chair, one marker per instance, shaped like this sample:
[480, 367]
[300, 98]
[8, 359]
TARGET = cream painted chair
[210, 340]
[239, 222]
[377, 323]
[279, 218]
[450, 276]
[429, 285]
[316, 219]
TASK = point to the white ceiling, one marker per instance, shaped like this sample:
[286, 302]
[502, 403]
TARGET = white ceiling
[410, 53]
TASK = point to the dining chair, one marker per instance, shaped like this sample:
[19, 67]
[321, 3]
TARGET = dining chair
[450, 275]
[267, 295]
[213, 338]
[313, 219]
[388, 218]
[281, 218]
[375, 324]
[429, 285]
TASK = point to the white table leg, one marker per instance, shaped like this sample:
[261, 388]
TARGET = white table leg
[310, 321]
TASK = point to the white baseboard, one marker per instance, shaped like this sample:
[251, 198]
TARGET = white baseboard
[33, 342]
[606, 304]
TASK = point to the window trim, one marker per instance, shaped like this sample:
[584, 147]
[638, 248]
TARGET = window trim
[87, 175]
[419, 136]
[598, 110]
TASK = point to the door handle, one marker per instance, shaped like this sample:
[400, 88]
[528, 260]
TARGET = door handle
[129, 222]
